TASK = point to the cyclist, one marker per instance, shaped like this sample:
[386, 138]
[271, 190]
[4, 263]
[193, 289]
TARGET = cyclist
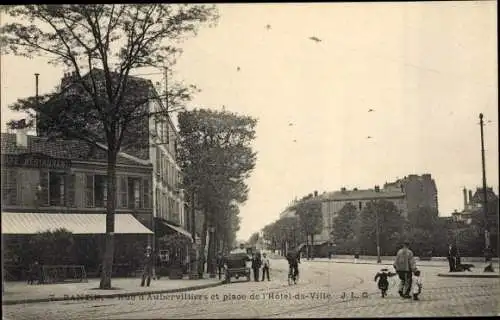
[293, 258]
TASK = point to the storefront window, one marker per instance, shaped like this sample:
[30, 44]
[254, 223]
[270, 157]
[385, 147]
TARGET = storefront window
[56, 188]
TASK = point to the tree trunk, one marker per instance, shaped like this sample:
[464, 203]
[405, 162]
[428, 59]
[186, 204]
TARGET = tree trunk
[312, 246]
[201, 264]
[210, 255]
[107, 263]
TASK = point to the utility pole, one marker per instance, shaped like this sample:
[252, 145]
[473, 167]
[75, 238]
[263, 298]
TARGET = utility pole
[166, 88]
[37, 102]
[377, 233]
[487, 255]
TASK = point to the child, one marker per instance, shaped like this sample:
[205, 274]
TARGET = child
[417, 285]
[383, 283]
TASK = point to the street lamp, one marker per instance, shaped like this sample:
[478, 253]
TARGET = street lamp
[378, 236]
[487, 256]
[212, 252]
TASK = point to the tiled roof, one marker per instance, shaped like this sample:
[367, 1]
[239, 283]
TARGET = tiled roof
[361, 194]
[63, 149]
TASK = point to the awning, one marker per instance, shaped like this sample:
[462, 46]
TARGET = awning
[176, 229]
[77, 223]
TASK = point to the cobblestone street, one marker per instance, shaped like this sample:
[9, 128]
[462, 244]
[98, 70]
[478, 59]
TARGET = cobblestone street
[324, 290]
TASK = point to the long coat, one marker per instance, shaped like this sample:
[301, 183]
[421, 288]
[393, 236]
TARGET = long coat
[405, 261]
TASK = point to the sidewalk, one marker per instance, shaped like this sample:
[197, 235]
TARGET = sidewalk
[21, 292]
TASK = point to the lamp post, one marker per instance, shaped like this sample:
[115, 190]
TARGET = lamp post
[487, 256]
[212, 252]
[378, 236]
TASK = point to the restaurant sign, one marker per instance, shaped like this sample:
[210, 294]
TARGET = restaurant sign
[35, 160]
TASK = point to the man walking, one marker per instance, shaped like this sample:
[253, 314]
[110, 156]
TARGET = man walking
[148, 266]
[405, 266]
[220, 264]
[256, 263]
[452, 256]
[265, 267]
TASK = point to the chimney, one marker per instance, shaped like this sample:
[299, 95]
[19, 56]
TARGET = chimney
[465, 198]
[377, 189]
[470, 196]
[22, 138]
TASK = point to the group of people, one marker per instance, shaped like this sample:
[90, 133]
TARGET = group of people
[410, 277]
[257, 262]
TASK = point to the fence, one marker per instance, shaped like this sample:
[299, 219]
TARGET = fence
[63, 273]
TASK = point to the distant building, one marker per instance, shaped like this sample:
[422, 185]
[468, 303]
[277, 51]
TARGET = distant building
[289, 210]
[333, 202]
[420, 191]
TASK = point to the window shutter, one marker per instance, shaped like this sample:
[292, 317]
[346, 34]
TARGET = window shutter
[43, 192]
[89, 191]
[70, 190]
[146, 193]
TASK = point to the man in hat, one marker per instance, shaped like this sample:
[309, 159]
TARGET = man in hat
[148, 267]
[405, 266]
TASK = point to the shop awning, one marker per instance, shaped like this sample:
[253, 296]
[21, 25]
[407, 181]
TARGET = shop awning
[175, 228]
[77, 223]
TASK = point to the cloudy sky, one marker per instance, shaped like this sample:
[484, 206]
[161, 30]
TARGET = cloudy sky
[427, 69]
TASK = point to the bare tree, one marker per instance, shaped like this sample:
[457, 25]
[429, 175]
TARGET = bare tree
[102, 44]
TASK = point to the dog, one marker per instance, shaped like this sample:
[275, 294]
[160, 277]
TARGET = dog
[464, 267]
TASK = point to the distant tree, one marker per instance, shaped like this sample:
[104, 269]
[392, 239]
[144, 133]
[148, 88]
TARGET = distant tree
[109, 41]
[390, 224]
[216, 158]
[254, 238]
[311, 220]
[344, 223]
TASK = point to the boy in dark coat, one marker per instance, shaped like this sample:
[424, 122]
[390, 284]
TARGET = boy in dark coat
[256, 263]
[383, 283]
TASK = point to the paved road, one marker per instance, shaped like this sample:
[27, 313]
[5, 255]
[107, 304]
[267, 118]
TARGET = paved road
[319, 293]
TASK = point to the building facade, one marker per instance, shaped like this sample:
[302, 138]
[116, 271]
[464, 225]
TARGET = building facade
[420, 191]
[152, 139]
[333, 202]
[67, 176]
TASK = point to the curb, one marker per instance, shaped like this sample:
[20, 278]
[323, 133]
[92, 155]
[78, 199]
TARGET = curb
[481, 275]
[110, 296]
[374, 263]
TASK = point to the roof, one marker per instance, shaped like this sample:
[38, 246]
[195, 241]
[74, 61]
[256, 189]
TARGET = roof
[76, 223]
[361, 195]
[76, 150]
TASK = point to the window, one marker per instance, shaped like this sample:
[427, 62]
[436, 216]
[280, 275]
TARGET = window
[360, 205]
[89, 191]
[158, 161]
[100, 190]
[157, 203]
[56, 188]
[167, 133]
[9, 185]
[134, 192]
[122, 192]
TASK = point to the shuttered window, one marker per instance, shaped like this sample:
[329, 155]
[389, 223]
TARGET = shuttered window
[146, 190]
[43, 190]
[122, 192]
[70, 190]
[9, 186]
[89, 191]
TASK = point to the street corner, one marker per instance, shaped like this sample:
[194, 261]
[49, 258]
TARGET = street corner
[476, 275]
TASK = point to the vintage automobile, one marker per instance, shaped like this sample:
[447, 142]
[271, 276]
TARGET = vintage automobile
[236, 265]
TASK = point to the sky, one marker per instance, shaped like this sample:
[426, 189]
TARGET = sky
[427, 69]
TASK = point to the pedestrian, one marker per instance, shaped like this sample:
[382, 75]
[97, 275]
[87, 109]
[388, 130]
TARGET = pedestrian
[404, 266]
[148, 266]
[34, 273]
[220, 264]
[256, 263]
[452, 256]
[265, 267]
[356, 256]
[417, 284]
[383, 282]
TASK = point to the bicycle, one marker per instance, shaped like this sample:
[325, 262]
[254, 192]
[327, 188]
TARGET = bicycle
[292, 277]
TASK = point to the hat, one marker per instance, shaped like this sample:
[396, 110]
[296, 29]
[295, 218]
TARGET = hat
[406, 242]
